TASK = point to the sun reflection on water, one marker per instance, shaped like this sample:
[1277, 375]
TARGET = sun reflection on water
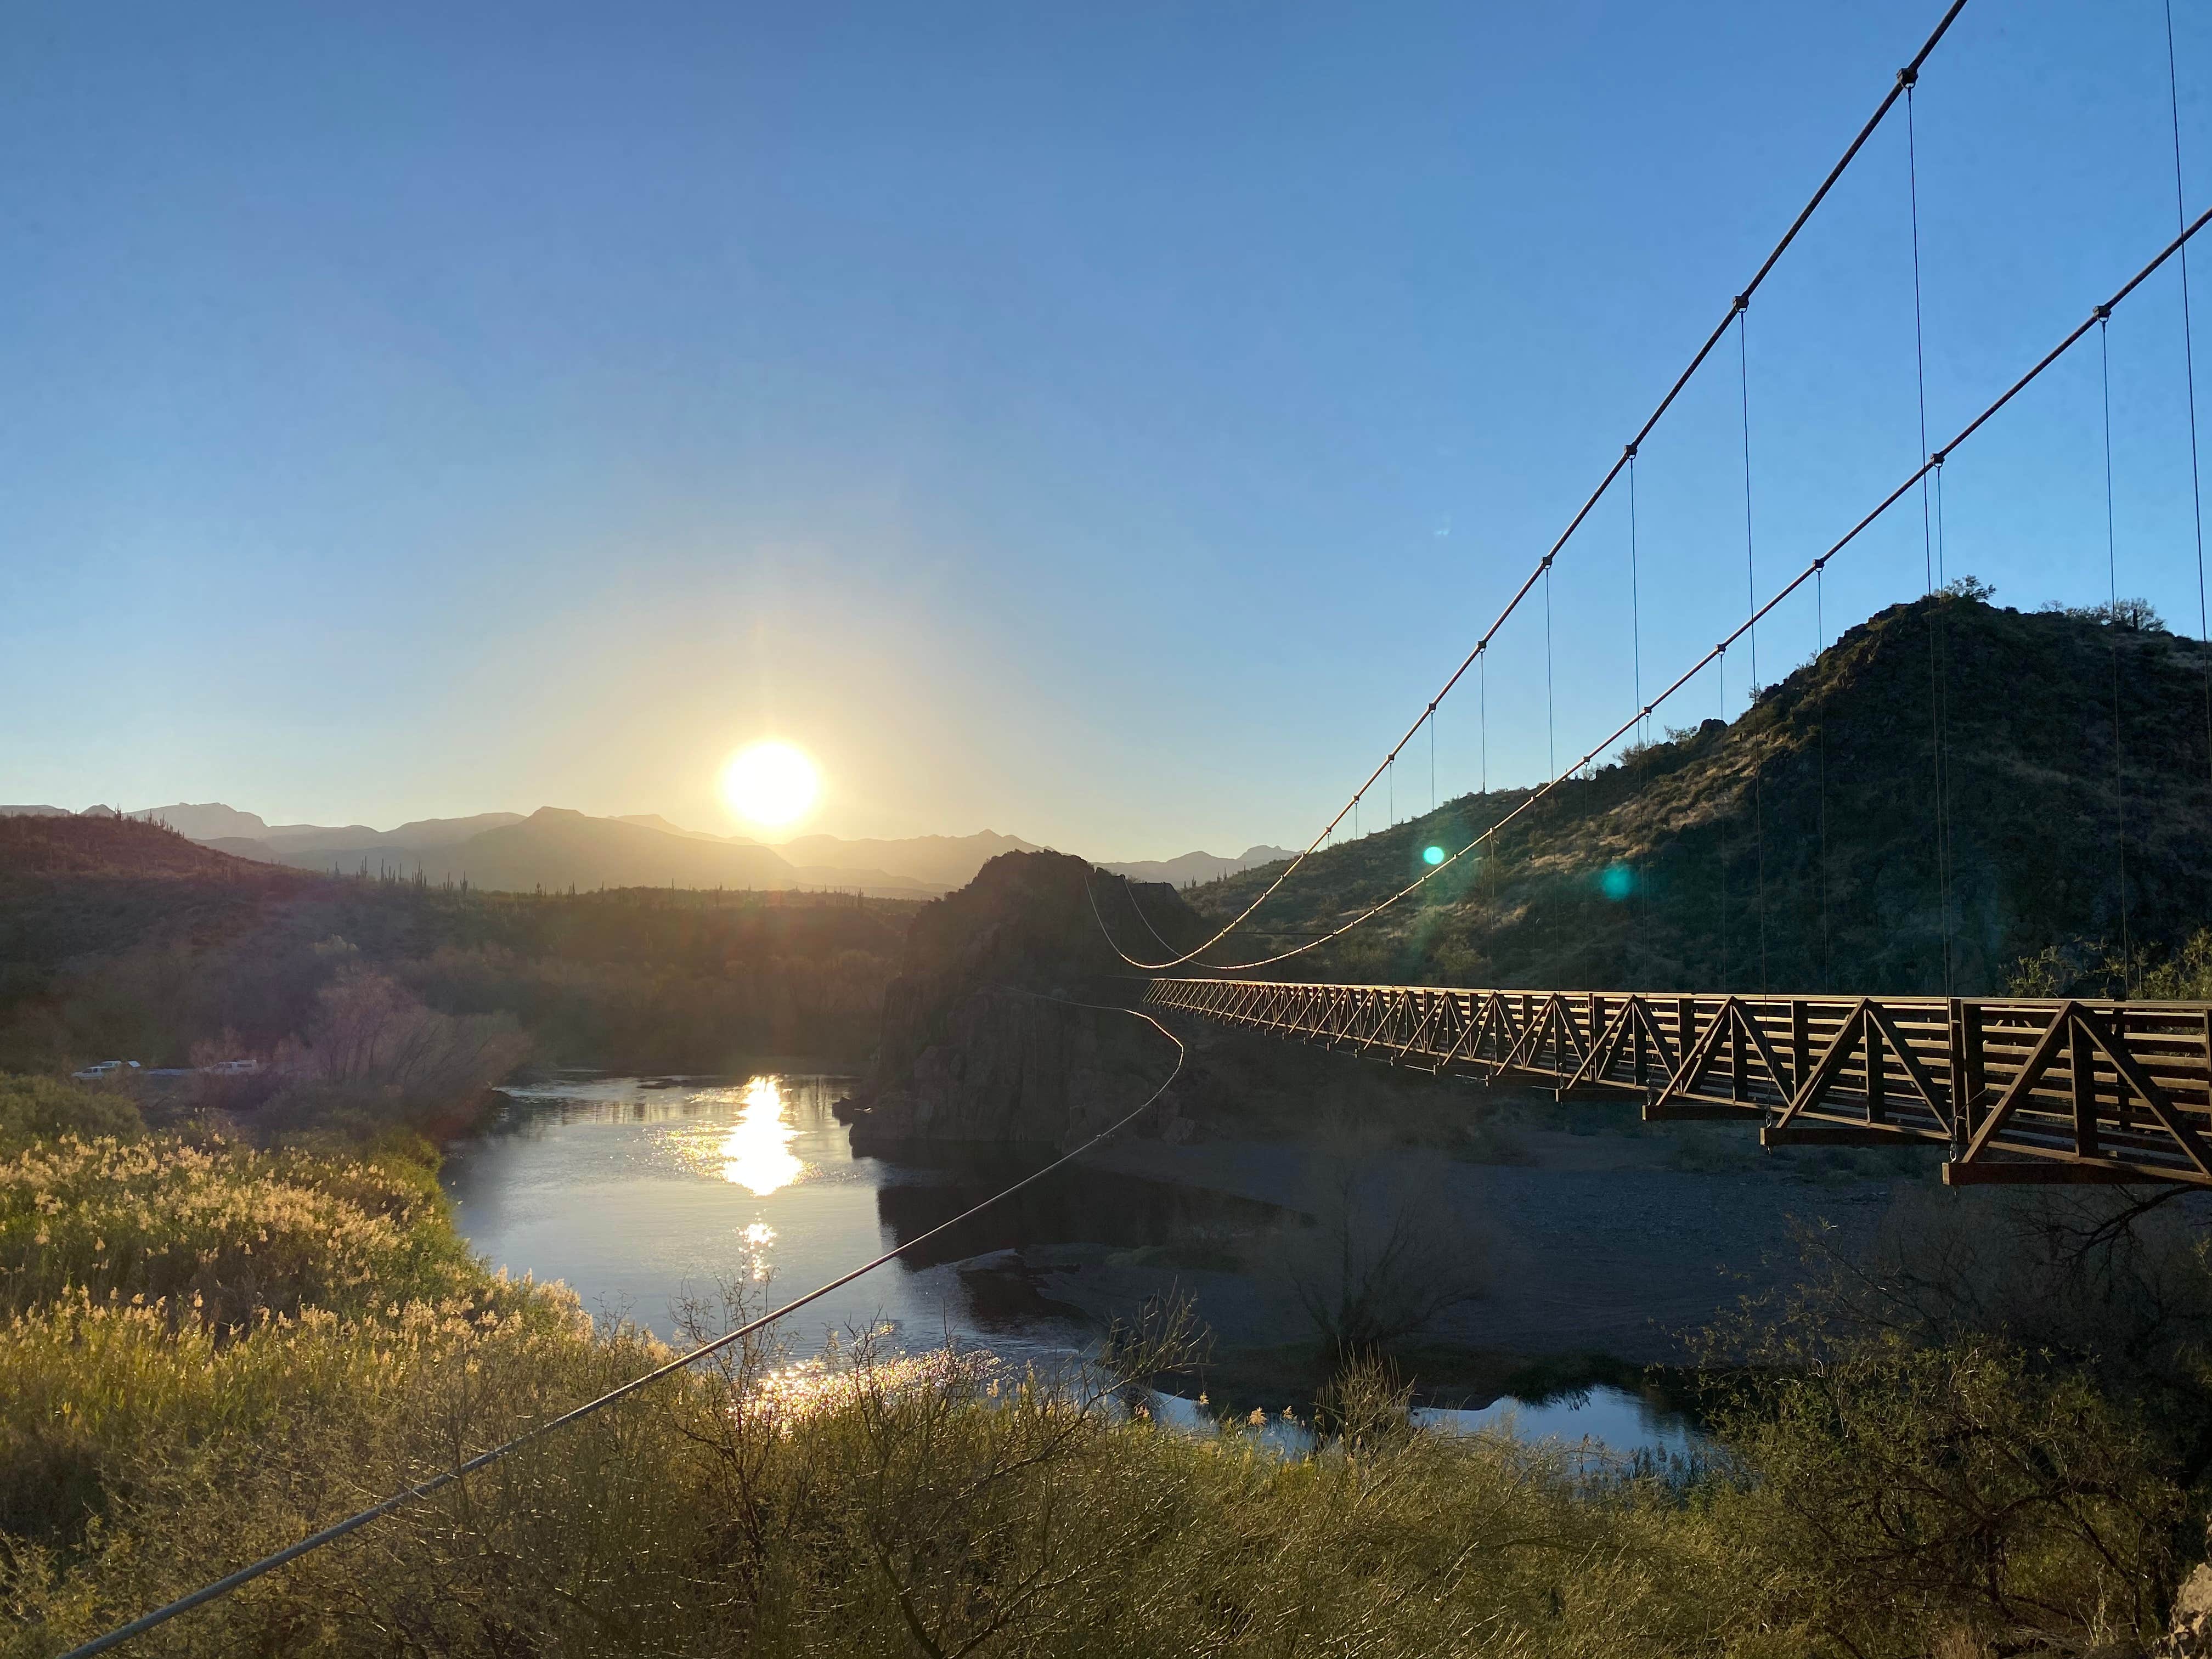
[809, 1386]
[757, 1151]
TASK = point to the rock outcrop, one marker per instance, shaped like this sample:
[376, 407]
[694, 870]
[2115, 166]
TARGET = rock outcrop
[1004, 1023]
[2190, 1634]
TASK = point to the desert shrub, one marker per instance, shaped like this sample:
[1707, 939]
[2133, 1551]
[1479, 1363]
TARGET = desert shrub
[1898, 1487]
[1385, 1257]
[1488, 1141]
[1711, 1149]
[1996, 1421]
[33, 1107]
[2186, 976]
[226, 1231]
[2137, 615]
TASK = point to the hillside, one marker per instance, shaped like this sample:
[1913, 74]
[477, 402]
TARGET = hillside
[556, 849]
[64, 844]
[119, 938]
[1650, 872]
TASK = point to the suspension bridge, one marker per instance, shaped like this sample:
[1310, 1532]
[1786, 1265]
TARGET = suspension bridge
[2016, 1090]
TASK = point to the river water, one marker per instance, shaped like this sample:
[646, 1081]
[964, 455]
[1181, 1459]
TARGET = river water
[643, 1195]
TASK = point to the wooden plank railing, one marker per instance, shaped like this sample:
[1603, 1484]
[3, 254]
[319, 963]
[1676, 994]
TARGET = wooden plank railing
[2019, 1089]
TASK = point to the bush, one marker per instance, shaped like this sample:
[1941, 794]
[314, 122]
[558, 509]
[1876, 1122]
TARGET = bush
[231, 1233]
[1900, 1488]
[33, 1107]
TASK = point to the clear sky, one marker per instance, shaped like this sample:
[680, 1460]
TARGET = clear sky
[1106, 424]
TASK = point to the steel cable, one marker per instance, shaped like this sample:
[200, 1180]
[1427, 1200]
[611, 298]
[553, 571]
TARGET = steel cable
[1808, 573]
[1751, 598]
[352, 1524]
[2188, 372]
[2112, 622]
[1635, 600]
[1820, 646]
[1697, 361]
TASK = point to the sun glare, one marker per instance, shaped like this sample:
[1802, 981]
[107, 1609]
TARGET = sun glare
[771, 783]
[757, 1151]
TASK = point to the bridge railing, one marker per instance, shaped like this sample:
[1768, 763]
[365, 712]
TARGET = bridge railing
[2019, 1089]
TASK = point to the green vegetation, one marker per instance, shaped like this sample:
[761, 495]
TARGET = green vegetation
[1992, 1438]
[1796, 849]
[33, 1108]
[2092, 968]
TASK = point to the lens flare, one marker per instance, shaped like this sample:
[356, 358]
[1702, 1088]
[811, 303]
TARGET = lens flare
[1433, 855]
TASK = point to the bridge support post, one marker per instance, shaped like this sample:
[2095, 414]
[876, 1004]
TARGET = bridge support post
[1801, 1044]
[2085, 1091]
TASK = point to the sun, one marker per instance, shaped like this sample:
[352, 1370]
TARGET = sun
[771, 783]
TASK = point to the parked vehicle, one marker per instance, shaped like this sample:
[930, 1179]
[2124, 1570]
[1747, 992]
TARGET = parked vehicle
[105, 1068]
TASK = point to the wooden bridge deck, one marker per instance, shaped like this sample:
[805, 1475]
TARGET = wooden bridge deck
[2019, 1089]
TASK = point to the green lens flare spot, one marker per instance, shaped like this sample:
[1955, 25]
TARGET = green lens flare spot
[1433, 855]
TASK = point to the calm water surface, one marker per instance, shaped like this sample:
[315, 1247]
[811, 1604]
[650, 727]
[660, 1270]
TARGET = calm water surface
[640, 1196]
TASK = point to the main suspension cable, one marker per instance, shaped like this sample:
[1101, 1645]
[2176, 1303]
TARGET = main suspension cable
[1811, 571]
[438, 1482]
[1697, 361]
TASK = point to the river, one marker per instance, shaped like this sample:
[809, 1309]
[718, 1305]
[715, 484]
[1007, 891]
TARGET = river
[643, 1195]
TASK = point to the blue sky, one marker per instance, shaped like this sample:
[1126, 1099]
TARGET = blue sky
[1105, 424]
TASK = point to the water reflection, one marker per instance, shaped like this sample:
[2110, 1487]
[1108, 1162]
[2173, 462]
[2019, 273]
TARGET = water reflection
[1088, 1205]
[757, 1151]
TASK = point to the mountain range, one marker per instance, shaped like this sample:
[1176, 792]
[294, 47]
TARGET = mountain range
[556, 847]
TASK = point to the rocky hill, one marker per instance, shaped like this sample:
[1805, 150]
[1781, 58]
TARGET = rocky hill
[46, 845]
[1797, 848]
[1001, 1022]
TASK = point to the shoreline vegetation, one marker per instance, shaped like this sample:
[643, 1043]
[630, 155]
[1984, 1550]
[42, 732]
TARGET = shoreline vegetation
[1991, 1437]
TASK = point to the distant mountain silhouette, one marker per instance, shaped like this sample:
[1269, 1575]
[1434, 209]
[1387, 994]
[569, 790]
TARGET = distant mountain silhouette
[1199, 867]
[940, 863]
[557, 847]
[654, 821]
[205, 822]
[302, 838]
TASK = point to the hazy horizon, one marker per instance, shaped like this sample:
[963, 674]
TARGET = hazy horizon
[764, 838]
